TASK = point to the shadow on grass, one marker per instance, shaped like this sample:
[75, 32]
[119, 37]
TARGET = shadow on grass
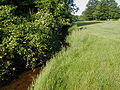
[86, 23]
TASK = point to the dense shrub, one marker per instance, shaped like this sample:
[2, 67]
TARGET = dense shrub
[23, 47]
[26, 42]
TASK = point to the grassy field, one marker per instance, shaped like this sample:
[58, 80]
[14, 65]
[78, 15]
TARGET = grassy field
[92, 62]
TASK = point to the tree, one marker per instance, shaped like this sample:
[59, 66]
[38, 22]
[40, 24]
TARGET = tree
[101, 10]
[97, 12]
[24, 7]
[113, 10]
[88, 13]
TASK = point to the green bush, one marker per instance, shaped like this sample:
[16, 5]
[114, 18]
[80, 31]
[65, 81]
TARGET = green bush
[22, 47]
[28, 42]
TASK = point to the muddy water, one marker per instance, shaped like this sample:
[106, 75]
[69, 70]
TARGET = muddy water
[23, 81]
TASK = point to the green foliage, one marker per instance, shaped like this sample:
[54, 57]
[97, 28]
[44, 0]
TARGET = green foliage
[23, 46]
[54, 15]
[76, 18]
[28, 41]
[88, 13]
[101, 10]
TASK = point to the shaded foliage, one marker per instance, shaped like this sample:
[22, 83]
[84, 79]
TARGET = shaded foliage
[29, 39]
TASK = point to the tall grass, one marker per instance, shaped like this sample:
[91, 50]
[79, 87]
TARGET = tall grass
[92, 62]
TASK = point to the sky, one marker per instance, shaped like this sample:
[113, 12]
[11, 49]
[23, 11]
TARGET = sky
[82, 5]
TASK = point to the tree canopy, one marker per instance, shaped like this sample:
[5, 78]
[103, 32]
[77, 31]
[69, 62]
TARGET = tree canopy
[101, 10]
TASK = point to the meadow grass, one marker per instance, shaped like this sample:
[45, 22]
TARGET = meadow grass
[92, 62]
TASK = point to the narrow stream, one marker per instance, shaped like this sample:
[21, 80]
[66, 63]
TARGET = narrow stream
[23, 81]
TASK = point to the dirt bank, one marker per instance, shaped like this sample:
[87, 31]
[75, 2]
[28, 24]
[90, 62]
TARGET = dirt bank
[23, 81]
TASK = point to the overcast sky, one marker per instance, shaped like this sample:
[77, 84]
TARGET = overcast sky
[82, 5]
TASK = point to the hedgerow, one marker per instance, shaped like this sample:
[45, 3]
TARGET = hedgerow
[26, 42]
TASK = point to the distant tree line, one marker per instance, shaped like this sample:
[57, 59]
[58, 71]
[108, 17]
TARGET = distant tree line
[101, 10]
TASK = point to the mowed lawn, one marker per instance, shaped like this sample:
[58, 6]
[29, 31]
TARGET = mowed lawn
[91, 62]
